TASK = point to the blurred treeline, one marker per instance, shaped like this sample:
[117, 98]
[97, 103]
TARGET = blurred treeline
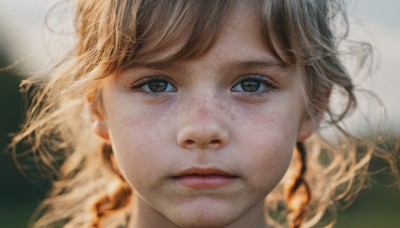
[378, 206]
[18, 196]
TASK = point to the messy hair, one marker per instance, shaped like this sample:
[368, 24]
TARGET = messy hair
[114, 36]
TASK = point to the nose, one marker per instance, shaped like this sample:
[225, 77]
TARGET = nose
[202, 137]
[203, 127]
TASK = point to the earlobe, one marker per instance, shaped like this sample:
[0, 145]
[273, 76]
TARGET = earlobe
[98, 122]
[306, 128]
[309, 124]
[100, 128]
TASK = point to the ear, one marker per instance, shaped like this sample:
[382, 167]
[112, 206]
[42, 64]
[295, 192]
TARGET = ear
[98, 121]
[309, 124]
[306, 128]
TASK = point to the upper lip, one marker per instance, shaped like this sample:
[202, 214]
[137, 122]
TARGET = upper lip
[204, 171]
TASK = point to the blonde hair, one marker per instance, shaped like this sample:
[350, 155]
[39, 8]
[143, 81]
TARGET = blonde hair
[117, 35]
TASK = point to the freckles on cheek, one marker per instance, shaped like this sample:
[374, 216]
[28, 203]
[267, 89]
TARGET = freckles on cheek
[134, 149]
[271, 163]
[270, 138]
[134, 131]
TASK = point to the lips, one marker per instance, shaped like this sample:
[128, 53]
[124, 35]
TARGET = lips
[198, 178]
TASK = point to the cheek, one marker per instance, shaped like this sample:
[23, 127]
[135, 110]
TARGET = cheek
[269, 138]
[137, 142]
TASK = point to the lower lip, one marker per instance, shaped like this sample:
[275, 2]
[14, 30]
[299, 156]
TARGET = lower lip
[204, 181]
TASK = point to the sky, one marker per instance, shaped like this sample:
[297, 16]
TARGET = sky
[378, 22]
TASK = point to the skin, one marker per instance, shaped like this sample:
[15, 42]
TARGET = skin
[206, 120]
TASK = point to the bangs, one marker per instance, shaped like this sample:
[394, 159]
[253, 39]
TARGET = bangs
[171, 30]
[126, 33]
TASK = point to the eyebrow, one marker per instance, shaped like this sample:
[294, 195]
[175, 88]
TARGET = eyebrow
[267, 62]
[261, 63]
[173, 66]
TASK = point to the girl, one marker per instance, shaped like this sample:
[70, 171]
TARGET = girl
[201, 113]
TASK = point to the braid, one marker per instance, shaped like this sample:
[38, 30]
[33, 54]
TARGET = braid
[298, 194]
[120, 198]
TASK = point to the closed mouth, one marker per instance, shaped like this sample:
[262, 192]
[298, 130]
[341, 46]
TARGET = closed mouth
[204, 178]
[203, 172]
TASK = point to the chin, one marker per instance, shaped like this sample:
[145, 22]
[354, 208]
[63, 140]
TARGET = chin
[210, 217]
[201, 222]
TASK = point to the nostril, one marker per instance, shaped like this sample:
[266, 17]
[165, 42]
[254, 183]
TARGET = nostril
[190, 138]
[190, 142]
[215, 142]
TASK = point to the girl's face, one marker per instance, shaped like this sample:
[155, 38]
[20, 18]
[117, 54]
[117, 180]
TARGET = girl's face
[203, 141]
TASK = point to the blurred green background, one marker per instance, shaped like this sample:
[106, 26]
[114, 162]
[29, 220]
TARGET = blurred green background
[378, 206]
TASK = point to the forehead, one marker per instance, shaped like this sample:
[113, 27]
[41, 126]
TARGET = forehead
[184, 32]
[241, 36]
[240, 45]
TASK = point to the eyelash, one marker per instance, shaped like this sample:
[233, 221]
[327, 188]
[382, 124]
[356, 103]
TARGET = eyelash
[138, 85]
[265, 81]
